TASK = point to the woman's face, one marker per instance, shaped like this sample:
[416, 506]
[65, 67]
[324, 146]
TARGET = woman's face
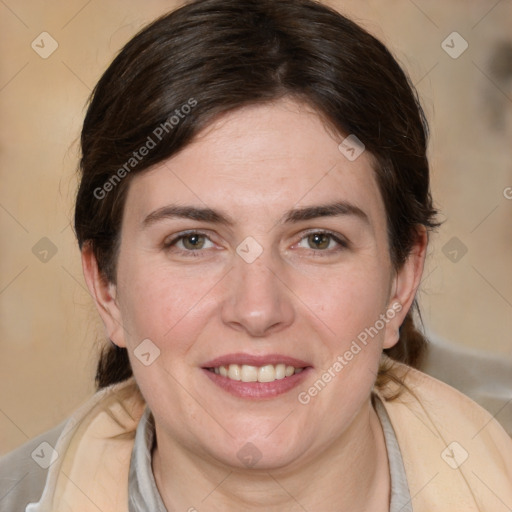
[258, 248]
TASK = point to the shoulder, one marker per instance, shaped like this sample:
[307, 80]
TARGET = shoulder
[444, 408]
[484, 377]
[23, 471]
[99, 429]
[441, 400]
[451, 442]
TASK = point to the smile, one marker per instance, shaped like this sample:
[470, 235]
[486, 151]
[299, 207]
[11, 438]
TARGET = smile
[249, 373]
[256, 376]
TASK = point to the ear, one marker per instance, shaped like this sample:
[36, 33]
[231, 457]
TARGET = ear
[104, 294]
[406, 283]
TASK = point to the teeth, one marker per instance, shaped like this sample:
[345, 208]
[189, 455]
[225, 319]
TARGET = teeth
[267, 373]
[280, 371]
[234, 372]
[248, 373]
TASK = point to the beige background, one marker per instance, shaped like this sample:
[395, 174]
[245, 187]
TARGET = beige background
[49, 330]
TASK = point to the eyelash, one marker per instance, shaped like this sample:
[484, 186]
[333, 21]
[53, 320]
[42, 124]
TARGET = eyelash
[342, 244]
[168, 245]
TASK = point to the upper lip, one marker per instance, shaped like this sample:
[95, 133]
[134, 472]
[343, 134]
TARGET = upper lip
[255, 360]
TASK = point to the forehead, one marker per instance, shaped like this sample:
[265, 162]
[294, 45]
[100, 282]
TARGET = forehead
[265, 158]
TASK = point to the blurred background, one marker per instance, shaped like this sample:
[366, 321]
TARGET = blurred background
[459, 56]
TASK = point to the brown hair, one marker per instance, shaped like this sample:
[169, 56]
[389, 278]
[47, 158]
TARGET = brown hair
[218, 55]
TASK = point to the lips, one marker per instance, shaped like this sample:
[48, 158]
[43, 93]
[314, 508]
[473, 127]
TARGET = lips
[251, 376]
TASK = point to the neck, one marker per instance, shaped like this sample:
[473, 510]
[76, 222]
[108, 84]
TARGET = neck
[351, 473]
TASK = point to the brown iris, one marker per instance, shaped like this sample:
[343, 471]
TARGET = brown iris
[193, 242]
[319, 240]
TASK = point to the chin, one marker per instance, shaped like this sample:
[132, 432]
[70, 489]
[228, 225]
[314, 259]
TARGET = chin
[257, 457]
[265, 451]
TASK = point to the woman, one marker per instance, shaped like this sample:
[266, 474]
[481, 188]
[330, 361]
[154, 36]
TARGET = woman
[253, 216]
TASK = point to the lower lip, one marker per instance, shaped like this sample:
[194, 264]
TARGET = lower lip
[257, 390]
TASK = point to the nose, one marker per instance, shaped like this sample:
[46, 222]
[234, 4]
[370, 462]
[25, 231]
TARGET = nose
[257, 299]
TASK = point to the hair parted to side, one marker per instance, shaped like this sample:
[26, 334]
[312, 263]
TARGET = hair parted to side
[220, 55]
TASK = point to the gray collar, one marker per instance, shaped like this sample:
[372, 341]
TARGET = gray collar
[144, 495]
[401, 500]
[142, 490]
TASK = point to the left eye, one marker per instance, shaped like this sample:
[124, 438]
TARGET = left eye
[320, 241]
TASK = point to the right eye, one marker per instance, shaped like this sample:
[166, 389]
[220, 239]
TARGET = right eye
[187, 243]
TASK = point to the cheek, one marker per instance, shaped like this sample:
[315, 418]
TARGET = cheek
[346, 301]
[160, 303]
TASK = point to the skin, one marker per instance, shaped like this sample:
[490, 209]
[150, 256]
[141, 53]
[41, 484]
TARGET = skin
[299, 298]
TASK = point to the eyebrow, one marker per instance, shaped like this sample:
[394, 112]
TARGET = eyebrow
[205, 214]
